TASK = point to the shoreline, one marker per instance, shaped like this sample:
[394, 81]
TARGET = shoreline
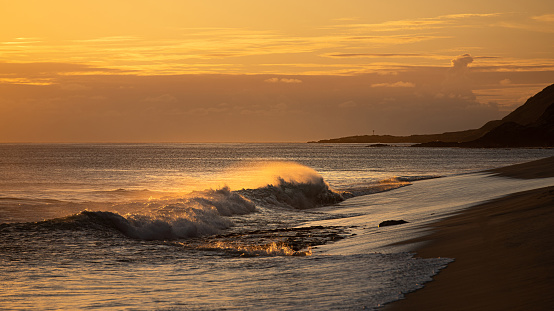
[503, 251]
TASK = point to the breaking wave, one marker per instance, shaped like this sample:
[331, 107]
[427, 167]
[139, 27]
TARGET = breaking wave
[201, 213]
[296, 195]
[198, 214]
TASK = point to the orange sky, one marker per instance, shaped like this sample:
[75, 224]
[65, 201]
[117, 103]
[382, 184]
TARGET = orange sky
[216, 71]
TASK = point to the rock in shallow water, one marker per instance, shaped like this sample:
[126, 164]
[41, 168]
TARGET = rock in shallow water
[392, 223]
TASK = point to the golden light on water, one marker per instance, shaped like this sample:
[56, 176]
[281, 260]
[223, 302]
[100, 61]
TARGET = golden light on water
[269, 249]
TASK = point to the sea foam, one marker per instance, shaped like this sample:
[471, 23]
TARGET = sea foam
[197, 214]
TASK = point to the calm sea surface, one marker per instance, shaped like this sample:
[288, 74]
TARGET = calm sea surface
[228, 226]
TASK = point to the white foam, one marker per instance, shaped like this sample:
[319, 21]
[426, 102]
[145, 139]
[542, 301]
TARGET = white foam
[423, 202]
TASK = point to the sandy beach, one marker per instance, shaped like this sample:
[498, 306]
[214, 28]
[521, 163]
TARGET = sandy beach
[503, 250]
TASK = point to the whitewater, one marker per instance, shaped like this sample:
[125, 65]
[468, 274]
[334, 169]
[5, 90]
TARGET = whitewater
[230, 226]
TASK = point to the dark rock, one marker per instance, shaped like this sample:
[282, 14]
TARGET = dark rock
[379, 145]
[392, 223]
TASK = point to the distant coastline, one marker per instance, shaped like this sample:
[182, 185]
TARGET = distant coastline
[530, 125]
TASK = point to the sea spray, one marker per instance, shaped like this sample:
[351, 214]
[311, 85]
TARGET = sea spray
[257, 174]
[287, 184]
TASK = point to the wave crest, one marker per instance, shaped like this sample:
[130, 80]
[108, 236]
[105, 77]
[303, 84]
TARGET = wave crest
[198, 214]
[296, 195]
[225, 201]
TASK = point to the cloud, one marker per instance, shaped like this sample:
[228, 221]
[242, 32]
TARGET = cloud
[457, 83]
[461, 62]
[21, 41]
[419, 23]
[544, 18]
[371, 55]
[27, 81]
[282, 80]
[346, 19]
[74, 87]
[348, 104]
[165, 98]
[116, 39]
[395, 84]
[272, 80]
[47, 68]
[394, 39]
[543, 24]
[506, 82]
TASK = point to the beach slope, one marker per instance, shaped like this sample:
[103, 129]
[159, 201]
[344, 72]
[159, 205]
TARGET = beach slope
[503, 250]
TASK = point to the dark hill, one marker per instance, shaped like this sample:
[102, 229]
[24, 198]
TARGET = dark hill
[530, 125]
[533, 109]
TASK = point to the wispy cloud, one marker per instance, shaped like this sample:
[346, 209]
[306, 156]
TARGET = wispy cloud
[523, 25]
[373, 55]
[27, 81]
[544, 18]
[283, 80]
[21, 41]
[114, 39]
[513, 64]
[192, 48]
[395, 84]
[348, 48]
[395, 39]
[415, 24]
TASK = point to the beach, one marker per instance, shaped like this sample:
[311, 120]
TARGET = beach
[502, 249]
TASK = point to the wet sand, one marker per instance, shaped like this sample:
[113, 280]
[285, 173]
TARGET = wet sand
[536, 169]
[503, 250]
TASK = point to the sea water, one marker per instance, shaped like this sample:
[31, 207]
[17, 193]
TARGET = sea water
[229, 226]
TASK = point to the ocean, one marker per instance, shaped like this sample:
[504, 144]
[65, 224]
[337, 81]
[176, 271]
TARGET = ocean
[230, 226]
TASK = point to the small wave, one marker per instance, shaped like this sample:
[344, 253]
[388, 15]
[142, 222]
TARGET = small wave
[122, 194]
[145, 227]
[121, 191]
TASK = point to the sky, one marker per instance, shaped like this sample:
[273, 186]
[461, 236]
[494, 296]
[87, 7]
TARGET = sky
[265, 71]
